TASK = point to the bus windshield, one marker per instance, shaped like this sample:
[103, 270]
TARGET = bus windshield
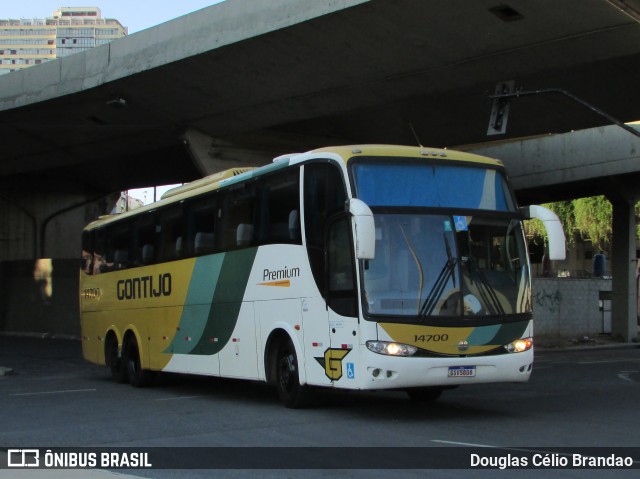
[431, 185]
[440, 251]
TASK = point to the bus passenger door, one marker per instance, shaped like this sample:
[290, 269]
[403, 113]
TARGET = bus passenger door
[316, 339]
[340, 360]
[329, 318]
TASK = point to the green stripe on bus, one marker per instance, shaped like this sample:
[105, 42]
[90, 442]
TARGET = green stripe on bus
[483, 335]
[509, 332]
[193, 320]
[227, 300]
[497, 334]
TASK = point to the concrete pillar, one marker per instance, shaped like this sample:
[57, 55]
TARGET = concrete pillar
[624, 320]
[40, 239]
[35, 224]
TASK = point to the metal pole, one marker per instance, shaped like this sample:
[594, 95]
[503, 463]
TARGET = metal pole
[519, 93]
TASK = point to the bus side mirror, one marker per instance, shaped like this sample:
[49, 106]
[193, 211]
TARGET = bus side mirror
[365, 236]
[555, 234]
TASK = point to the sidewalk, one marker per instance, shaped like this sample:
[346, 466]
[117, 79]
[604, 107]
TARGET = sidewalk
[601, 341]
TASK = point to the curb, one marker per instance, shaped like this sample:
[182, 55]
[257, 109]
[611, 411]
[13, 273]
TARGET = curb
[19, 334]
[586, 347]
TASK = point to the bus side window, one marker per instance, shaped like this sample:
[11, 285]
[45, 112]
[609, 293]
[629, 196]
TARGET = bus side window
[324, 196]
[237, 229]
[99, 251]
[118, 246]
[279, 217]
[202, 213]
[86, 265]
[145, 241]
[172, 234]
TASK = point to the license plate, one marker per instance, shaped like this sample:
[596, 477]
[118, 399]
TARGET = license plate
[462, 371]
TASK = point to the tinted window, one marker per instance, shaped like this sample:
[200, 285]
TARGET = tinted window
[264, 210]
[172, 233]
[324, 196]
[279, 218]
[431, 185]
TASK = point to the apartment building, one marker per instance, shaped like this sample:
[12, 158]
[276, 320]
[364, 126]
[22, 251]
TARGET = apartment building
[28, 42]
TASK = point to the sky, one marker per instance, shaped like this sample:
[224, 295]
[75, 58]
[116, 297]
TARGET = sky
[136, 15]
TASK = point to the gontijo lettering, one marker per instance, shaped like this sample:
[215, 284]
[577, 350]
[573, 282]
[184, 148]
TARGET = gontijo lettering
[144, 287]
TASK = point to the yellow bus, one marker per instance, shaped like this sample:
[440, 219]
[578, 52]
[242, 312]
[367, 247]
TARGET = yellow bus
[358, 267]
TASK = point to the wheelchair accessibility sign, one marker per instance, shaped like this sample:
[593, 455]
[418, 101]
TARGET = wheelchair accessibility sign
[351, 371]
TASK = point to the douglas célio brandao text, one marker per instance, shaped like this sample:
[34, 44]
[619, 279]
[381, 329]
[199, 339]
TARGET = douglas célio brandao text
[549, 461]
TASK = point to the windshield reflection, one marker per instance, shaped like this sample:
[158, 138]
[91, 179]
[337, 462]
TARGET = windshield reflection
[447, 266]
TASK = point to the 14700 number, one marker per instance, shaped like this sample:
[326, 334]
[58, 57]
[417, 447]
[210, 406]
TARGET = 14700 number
[427, 338]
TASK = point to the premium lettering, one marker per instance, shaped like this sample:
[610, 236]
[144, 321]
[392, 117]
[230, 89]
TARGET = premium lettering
[144, 287]
[286, 273]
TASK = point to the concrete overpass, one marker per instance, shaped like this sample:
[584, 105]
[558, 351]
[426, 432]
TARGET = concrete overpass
[269, 77]
[244, 81]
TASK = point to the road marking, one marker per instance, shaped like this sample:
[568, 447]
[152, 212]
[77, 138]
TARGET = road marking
[607, 361]
[466, 444]
[54, 392]
[625, 375]
[174, 398]
[469, 444]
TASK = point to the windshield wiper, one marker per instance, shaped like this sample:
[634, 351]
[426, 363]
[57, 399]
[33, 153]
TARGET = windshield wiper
[448, 273]
[486, 290]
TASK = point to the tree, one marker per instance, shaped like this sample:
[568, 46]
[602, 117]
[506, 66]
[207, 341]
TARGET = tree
[585, 218]
[594, 217]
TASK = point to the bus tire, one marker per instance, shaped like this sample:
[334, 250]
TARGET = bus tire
[138, 377]
[425, 394]
[113, 360]
[291, 393]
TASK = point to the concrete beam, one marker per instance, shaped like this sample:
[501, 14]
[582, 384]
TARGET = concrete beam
[571, 157]
[187, 36]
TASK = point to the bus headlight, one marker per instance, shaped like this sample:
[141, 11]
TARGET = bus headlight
[519, 345]
[391, 348]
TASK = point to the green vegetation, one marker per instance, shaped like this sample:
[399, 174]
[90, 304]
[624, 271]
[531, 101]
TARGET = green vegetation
[588, 219]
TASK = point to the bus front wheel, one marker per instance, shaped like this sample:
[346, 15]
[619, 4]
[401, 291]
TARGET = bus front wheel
[291, 392]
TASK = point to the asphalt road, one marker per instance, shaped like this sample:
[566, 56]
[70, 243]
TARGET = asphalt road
[575, 399]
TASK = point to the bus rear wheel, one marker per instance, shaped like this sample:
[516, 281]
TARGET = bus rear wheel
[138, 377]
[292, 394]
[114, 362]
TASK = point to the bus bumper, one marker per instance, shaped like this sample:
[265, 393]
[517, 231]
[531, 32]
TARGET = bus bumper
[389, 372]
